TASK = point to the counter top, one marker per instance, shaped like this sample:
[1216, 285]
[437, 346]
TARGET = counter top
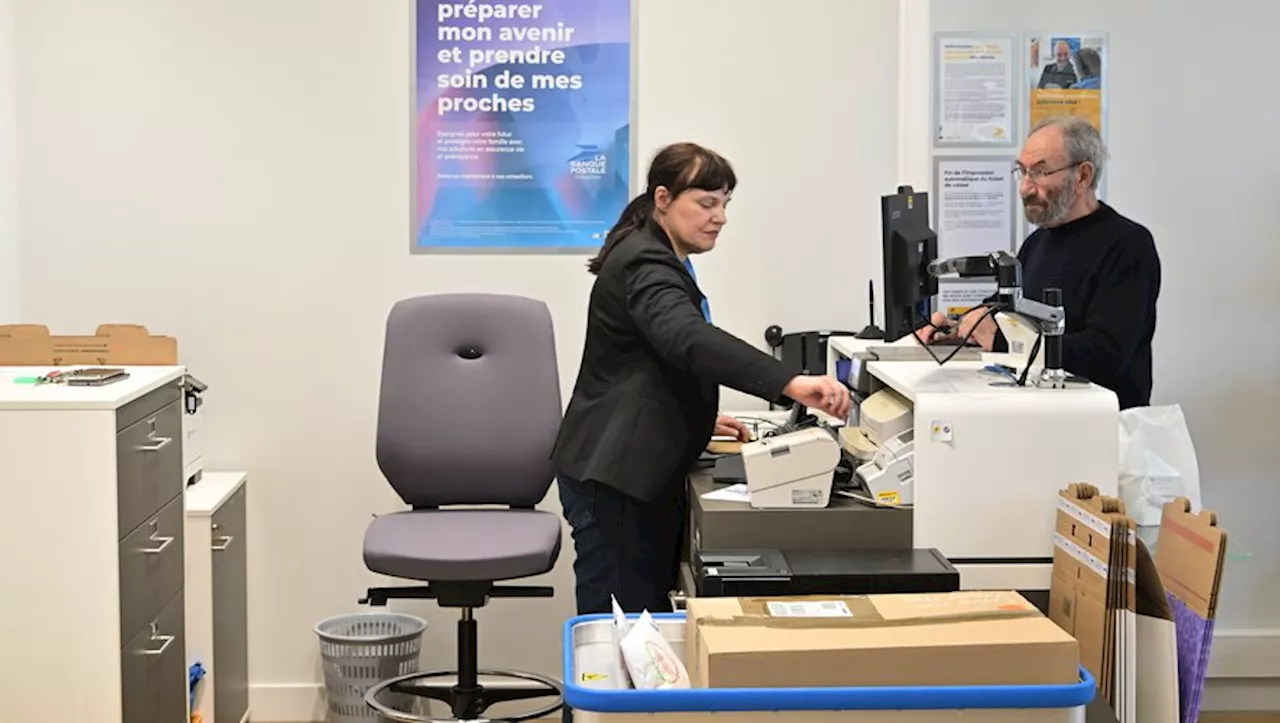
[910, 378]
[15, 396]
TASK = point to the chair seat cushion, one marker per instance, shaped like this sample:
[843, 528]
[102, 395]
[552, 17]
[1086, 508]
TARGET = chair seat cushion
[463, 545]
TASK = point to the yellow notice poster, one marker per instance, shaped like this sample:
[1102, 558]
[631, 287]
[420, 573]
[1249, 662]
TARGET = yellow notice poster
[1065, 75]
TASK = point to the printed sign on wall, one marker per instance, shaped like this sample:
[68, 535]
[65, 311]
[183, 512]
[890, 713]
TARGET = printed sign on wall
[522, 124]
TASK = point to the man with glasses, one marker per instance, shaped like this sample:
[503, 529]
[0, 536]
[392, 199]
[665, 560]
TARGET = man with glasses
[1105, 264]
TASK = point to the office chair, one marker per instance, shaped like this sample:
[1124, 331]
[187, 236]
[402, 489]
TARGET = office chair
[468, 413]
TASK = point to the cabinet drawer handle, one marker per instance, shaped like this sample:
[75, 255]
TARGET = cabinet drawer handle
[156, 637]
[159, 444]
[164, 542]
[226, 542]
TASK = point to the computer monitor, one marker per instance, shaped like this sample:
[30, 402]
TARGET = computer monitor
[909, 246]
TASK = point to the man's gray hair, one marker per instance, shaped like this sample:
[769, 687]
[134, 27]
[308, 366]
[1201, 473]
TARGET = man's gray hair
[1084, 143]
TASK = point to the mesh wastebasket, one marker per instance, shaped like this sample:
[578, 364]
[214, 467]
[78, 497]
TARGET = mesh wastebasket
[360, 650]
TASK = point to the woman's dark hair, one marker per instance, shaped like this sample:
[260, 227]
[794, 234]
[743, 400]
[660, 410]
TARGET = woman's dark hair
[679, 167]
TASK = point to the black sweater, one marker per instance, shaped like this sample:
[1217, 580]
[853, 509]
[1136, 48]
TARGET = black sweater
[1109, 273]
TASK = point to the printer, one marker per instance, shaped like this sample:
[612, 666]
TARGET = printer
[795, 469]
[889, 474]
[883, 441]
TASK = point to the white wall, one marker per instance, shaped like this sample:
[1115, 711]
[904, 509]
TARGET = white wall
[813, 138]
[1195, 160]
[8, 167]
[236, 173]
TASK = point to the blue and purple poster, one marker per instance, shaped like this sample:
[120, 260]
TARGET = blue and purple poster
[523, 124]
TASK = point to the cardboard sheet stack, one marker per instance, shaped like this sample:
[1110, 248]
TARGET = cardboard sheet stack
[1124, 607]
[1093, 593]
[1190, 553]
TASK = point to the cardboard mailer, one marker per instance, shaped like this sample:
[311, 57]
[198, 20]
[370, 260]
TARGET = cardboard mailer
[1190, 554]
[111, 344]
[1156, 686]
[1093, 588]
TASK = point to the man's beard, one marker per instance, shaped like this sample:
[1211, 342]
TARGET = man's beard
[1054, 209]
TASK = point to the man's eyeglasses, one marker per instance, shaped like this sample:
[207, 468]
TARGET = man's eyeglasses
[1037, 173]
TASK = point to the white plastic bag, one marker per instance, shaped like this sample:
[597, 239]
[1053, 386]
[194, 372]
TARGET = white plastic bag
[651, 661]
[1157, 462]
[621, 626]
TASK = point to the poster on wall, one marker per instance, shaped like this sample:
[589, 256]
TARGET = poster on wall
[975, 202]
[957, 297]
[975, 89]
[522, 125]
[1065, 75]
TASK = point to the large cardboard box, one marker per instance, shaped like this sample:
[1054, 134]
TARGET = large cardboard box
[964, 638]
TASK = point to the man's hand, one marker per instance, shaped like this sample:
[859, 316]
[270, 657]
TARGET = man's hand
[938, 321]
[727, 426]
[825, 393]
[979, 326]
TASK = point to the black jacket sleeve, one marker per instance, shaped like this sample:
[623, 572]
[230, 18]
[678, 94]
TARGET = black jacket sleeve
[1124, 300]
[659, 305]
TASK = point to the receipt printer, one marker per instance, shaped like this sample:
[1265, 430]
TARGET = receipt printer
[890, 473]
[795, 469]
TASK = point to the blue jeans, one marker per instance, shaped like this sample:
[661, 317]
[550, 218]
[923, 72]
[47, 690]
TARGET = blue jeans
[624, 547]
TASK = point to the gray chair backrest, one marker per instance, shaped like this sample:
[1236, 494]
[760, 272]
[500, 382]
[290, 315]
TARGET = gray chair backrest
[470, 400]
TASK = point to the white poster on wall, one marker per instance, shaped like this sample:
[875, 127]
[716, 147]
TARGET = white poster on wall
[976, 202]
[974, 104]
[957, 297]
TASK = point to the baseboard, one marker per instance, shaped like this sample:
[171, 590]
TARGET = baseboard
[1244, 673]
[287, 702]
[1242, 654]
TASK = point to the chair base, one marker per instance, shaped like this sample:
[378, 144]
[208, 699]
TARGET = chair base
[468, 703]
[468, 594]
[467, 698]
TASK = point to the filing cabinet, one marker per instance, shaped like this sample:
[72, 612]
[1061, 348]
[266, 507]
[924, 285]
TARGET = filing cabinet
[149, 481]
[217, 590]
[93, 529]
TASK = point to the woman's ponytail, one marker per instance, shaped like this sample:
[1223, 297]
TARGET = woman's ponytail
[633, 217]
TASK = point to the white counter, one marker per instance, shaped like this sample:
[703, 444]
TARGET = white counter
[142, 379]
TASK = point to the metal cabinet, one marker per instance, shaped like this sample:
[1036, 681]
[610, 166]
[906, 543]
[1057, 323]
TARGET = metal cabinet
[230, 611]
[217, 593]
[149, 518]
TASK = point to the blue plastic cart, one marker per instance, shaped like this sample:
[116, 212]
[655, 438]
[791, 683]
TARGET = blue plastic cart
[592, 680]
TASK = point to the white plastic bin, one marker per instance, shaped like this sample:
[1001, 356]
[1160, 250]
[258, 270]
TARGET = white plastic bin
[592, 676]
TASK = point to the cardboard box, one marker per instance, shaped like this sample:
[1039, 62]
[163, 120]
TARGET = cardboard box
[964, 638]
[114, 344]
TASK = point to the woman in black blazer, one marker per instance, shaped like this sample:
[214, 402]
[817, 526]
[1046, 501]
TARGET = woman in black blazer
[646, 400]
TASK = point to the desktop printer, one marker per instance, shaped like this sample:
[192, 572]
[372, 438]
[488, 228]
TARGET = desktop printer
[795, 469]
[889, 474]
[883, 441]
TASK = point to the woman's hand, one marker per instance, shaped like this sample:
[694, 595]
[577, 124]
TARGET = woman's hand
[825, 393]
[727, 426]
